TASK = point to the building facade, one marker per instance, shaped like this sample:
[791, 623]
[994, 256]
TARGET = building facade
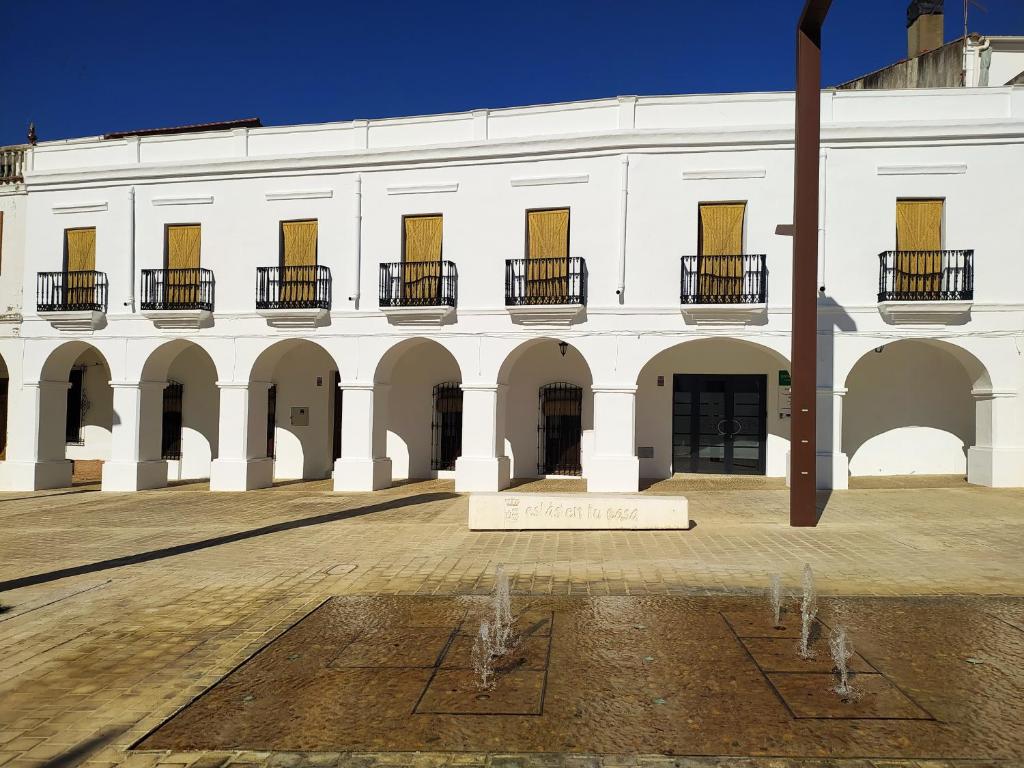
[596, 289]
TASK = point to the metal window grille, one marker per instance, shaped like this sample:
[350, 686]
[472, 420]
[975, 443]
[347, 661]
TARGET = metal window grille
[446, 429]
[545, 281]
[71, 291]
[559, 429]
[739, 279]
[293, 287]
[418, 284]
[177, 289]
[170, 439]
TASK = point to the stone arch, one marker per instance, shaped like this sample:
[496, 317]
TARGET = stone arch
[302, 429]
[725, 357]
[190, 371]
[909, 408]
[525, 370]
[409, 370]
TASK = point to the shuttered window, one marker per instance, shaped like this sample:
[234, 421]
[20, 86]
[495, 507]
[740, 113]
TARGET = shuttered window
[299, 243]
[918, 229]
[183, 245]
[547, 238]
[422, 247]
[720, 249]
[79, 265]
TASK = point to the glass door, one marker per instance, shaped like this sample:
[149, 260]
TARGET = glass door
[719, 424]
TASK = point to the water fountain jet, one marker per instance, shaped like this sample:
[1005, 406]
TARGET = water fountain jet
[808, 612]
[775, 600]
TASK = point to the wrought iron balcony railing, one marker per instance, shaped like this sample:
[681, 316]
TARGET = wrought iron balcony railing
[418, 284]
[293, 287]
[739, 279]
[12, 165]
[177, 289]
[545, 281]
[926, 275]
[71, 291]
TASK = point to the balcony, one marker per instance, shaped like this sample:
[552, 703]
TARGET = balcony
[294, 296]
[178, 298]
[418, 292]
[925, 286]
[724, 289]
[545, 291]
[72, 301]
[12, 165]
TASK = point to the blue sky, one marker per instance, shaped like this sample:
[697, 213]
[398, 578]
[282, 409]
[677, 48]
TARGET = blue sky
[83, 67]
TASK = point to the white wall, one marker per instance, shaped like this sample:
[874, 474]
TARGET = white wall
[411, 407]
[908, 411]
[13, 205]
[304, 377]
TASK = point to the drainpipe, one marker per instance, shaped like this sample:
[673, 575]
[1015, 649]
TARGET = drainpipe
[623, 195]
[822, 209]
[357, 220]
[130, 304]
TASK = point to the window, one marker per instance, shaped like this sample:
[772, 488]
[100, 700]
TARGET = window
[422, 242]
[720, 249]
[76, 406]
[336, 433]
[80, 266]
[3, 417]
[170, 439]
[181, 257]
[298, 255]
[547, 252]
[918, 267]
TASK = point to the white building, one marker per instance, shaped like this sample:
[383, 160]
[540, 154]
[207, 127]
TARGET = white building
[590, 288]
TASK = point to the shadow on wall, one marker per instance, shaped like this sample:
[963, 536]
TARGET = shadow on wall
[909, 410]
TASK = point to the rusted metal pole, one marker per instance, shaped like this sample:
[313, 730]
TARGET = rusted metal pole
[802, 460]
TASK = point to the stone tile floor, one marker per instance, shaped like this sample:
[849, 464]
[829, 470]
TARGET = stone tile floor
[168, 590]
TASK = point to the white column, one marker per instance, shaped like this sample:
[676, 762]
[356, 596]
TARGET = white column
[997, 457]
[135, 462]
[242, 462]
[614, 466]
[833, 466]
[364, 465]
[35, 445]
[483, 465]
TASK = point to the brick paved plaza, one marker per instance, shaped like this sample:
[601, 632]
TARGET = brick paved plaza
[134, 604]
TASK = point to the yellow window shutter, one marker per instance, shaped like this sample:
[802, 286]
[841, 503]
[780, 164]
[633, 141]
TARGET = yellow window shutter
[721, 229]
[183, 241]
[423, 236]
[548, 234]
[918, 225]
[81, 249]
[299, 240]
[421, 274]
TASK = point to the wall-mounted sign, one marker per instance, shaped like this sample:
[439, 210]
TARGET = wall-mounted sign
[785, 379]
[785, 402]
[300, 416]
[661, 381]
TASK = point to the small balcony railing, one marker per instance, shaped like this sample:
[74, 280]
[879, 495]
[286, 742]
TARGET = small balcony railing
[71, 292]
[12, 165]
[545, 281]
[418, 284]
[739, 279]
[926, 276]
[177, 289]
[293, 287]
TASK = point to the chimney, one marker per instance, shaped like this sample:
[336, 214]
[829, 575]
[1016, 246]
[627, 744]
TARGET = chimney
[924, 27]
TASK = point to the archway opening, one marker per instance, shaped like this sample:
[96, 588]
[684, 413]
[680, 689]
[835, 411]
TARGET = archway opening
[713, 406]
[189, 410]
[897, 421]
[548, 410]
[302, 403]
[424, 411]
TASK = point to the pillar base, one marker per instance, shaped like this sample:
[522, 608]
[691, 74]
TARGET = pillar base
[133, 475]
[480, 475]
[613, 474]
[362, 474]
[832, 472]
[996, 467]
[34, 475]
[234, 475]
